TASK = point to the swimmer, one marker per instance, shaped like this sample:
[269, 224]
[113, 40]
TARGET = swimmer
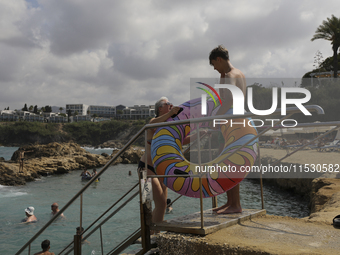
[85, 173]
[30, 217]
[168, 207]
[45, 245]
[80, 232]
[94, 172]
[55, 210]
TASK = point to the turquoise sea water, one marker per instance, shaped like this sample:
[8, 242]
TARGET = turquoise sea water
[97, 198]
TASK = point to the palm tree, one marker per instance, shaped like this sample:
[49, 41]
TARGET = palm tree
[61, 109]
[330, 30]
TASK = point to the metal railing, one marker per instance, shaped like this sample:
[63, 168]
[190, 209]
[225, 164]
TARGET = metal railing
[289, 110]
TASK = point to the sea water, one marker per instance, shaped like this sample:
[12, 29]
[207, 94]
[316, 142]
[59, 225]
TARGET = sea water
[97, 199]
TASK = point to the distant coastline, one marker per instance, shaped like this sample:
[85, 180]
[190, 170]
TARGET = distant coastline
[16, 134]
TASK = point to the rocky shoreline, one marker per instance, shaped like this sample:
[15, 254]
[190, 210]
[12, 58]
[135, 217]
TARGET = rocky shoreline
[57, 158]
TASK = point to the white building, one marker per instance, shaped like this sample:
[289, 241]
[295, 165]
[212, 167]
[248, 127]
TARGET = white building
[139, 112]
[80, 108]
[102, 111]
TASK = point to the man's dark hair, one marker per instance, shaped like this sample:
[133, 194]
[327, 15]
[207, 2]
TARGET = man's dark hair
[45, 244]
[219, 51]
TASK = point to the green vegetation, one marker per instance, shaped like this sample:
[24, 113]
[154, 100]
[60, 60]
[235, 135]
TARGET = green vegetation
[324, 66]
[12, 133]
[96, 133]
[26, 132]
[330, 30]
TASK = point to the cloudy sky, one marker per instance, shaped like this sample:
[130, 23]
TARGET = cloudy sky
[110, 52]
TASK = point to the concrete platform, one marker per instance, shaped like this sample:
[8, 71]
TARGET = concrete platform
[191, 224]
[265, 234]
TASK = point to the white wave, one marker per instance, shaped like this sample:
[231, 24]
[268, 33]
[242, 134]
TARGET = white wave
[88, 148]
[99, 148]
[9, 191]
[12, 194]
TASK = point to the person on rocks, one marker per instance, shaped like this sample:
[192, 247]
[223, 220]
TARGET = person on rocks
[21, 159]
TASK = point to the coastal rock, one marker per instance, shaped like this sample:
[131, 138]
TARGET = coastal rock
[323, 192]
[111, 144]
[57, 158]
[325, 200]
[130, 156]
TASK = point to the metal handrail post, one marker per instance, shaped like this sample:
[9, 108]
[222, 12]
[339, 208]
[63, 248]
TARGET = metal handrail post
[200, 178]
[77, 244]
[141, 177]
[261, 183]
[81, 214]
[101, 239]
[145, 227]
[213, 199]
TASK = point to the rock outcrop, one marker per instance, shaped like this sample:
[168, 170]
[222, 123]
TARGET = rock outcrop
[57, 158]
[323, 192]
[111, 144]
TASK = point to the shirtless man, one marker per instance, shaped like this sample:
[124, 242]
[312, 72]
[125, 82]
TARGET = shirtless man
[21, 159]
[55, 210]
[219, 59]
[45, 245]
[30, 217]
[163, 110]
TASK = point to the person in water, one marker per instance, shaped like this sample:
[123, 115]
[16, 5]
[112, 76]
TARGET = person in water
[79, 231]
[163, 111]
[85, 173]
[45, 245]
[168, 206]
[30, 217]
[94, 172]
[55, 210]
[219, 59]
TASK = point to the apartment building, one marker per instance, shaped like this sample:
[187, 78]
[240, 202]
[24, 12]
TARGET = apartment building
[138, 112]
[81, 109]
[102, 111]
[84, 113]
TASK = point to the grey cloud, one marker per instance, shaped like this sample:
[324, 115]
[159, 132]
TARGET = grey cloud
[133, 52]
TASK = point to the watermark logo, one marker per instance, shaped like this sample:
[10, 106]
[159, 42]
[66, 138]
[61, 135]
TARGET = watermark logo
[204, 97]
[238, 103]
[238, 100]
